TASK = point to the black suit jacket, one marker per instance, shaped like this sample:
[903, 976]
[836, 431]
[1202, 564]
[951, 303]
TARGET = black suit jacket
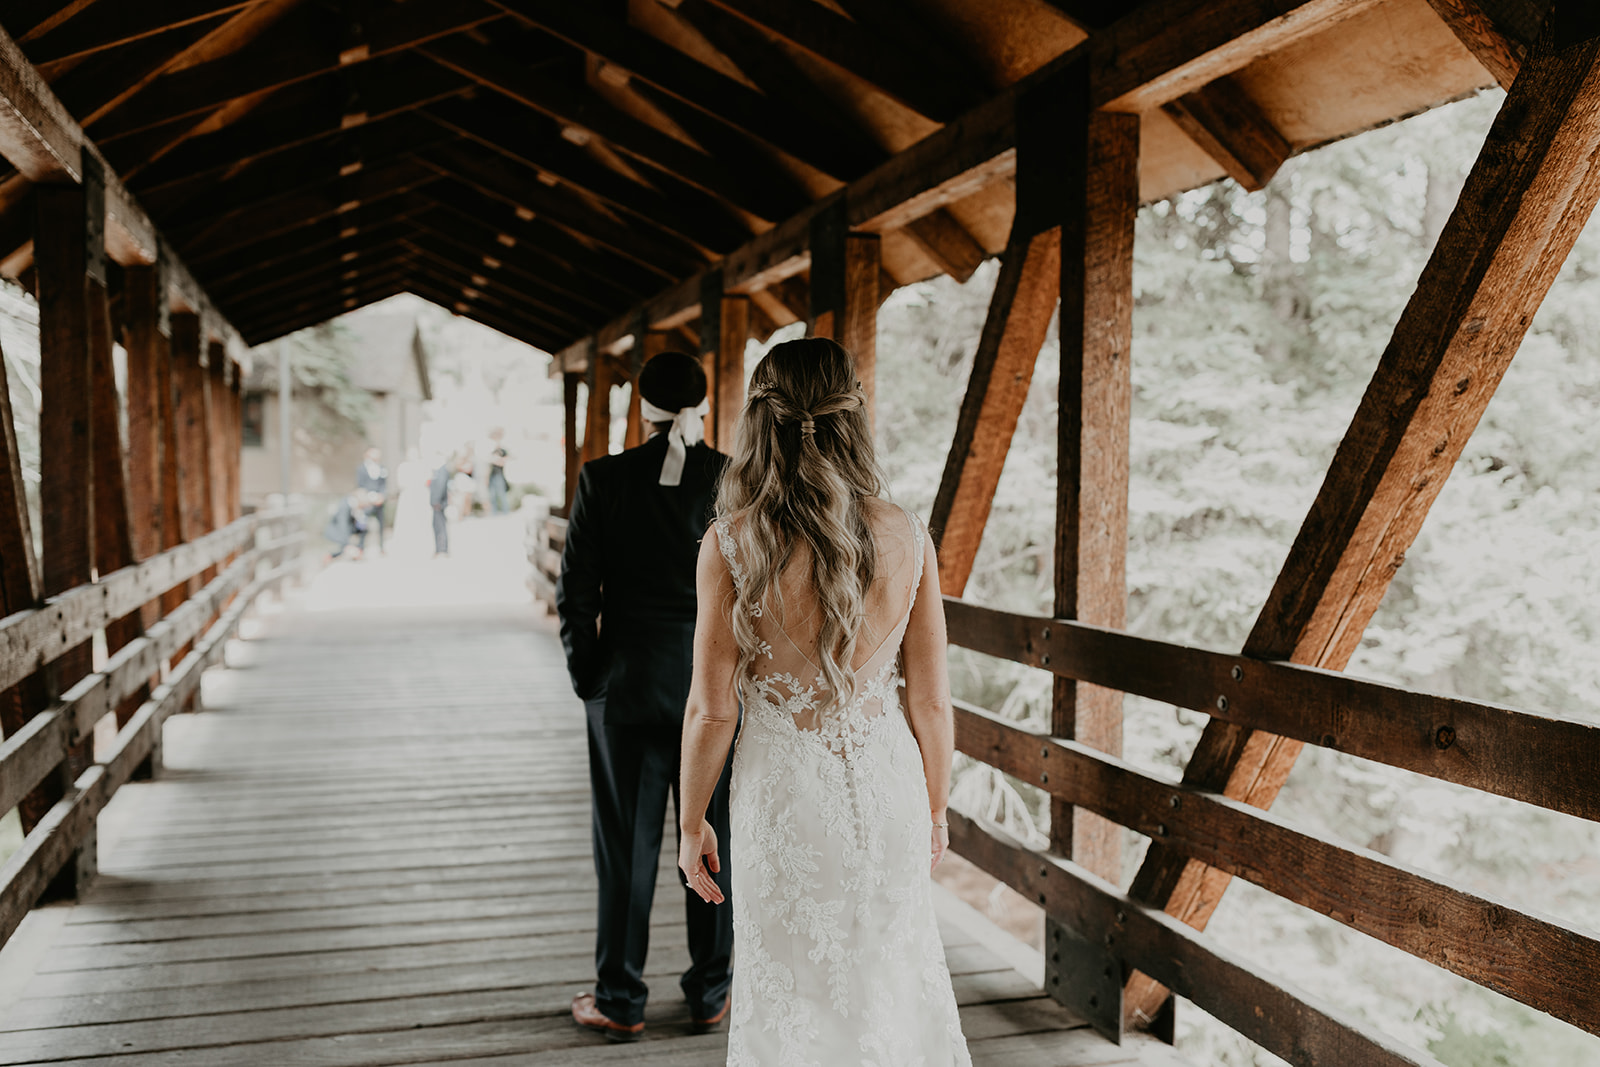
[630, 557]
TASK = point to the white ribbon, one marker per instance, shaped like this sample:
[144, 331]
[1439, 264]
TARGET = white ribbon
[687, 429]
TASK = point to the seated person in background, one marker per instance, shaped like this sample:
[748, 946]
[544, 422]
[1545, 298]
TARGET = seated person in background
[348, 520]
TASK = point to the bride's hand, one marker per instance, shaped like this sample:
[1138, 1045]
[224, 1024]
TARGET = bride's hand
[693, 846]
[941, 841]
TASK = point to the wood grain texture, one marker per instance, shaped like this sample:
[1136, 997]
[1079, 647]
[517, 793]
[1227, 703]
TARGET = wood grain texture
[733, 332]
[1093, 405]
[1550, 762]
[1525, 201]
[1500, 50]
[1020, 310]
[1231, 128]
[1538, 961]
[1268, 1010]
[945, 241]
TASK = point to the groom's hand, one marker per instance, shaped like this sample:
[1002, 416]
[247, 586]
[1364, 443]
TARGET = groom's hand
[693, 847]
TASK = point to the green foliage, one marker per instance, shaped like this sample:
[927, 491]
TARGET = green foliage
[331, 405]
[1258, 321]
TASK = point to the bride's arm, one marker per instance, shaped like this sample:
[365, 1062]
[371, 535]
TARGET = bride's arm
[928, 695]
[709, 719]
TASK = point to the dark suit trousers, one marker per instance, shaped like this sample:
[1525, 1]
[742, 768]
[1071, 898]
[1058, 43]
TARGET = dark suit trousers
[441, 532]
[632, 769]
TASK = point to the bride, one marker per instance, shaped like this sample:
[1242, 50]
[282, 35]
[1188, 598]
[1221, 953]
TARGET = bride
[811, 593]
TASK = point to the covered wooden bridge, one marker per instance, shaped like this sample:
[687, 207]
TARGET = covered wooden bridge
[604, 180]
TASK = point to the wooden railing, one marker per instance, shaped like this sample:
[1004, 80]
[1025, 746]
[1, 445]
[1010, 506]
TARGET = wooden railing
[549, 537]
[250, 555]
[1553, 763]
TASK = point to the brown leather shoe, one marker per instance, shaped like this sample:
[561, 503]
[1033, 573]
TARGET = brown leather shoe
[705, 1026]
[587, 1014]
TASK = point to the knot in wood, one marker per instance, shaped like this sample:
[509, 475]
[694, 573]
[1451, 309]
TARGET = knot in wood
[1445, 737]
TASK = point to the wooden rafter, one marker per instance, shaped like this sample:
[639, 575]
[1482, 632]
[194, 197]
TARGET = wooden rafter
[840, 151]
[1497, 32]
[112, 25]
[941, 92]
[1222, 119]
[1533, 188]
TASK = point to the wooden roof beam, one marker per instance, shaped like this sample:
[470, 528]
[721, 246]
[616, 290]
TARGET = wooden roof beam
[491, 291]
[589, 115]
[523, 262]
[1223, 120]
[550, 159]
[311, 111]
[317, 265]
[466, 300]
[310, 312]
[841, 151]
[496, 177]
[940, 91]
[287, 56]
[330, 241]
[39, 137]
[112, 25]
[469, 264]
[945, 241]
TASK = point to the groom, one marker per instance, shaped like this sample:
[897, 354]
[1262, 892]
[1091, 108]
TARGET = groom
[633, 538]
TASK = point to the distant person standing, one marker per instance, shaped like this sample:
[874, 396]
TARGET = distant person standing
[372, 478]
[498, 486]
[439, 497]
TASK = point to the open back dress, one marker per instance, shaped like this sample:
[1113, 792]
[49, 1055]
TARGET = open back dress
[837, 955]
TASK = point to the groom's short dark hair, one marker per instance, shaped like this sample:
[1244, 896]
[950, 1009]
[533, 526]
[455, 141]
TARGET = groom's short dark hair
[672, 381]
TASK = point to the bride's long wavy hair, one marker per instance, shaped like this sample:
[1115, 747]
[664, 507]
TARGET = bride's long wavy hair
[802, 464]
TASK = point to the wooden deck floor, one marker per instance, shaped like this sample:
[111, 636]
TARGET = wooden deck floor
[372, 849]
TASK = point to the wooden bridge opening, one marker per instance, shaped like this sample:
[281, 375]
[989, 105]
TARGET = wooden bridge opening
[607, 180]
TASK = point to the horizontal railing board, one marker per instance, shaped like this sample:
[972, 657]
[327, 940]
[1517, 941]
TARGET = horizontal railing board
[38, 748]
[32, 638]
[58, 835]
[1281, 1019]
[1542, 962]
[1550, 762]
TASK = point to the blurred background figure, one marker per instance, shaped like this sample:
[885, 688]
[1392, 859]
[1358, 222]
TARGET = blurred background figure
[498, 486]
[373, 479]
[349, 520]
[463, 487]
[439, 497]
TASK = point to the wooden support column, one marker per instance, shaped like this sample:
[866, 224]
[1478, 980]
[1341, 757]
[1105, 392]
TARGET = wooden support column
[183, 344]
[845, 268]
[19, 591]
[113, 534]
[148, 349]
[218, 435]
[1024, 301]
[236, 441]
[69, 251]
[569, 438]
[1528, 196]
[1092, 445]
[724, 332]
[597, 427]
[189, 421]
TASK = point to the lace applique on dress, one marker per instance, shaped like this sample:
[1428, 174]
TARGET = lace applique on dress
[838, 956]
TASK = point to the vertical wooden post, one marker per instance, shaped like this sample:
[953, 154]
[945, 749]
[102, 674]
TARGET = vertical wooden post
[711, 297]
[69, 250]
[236, 440]
[727, 384]
[1102, 202]
[113, 536]
[183, 343]
[218, 435]
[845, 268]
[19, 590]
[569, 398]
[597, 427]
[148, 347]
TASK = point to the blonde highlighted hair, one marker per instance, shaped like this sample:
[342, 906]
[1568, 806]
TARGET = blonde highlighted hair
[802, 465]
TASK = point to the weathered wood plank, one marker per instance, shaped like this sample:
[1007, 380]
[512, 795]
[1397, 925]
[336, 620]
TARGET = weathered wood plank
[1539, 961]
[1550, 762]
[1222, 119]
[1268, 1011]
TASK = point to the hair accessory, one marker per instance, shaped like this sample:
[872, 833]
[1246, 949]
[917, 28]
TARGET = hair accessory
[808, 427]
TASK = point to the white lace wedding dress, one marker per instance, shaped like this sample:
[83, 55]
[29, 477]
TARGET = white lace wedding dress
[837, 956]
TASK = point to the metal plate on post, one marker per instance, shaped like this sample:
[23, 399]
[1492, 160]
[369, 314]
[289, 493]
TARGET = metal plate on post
[1085, 973]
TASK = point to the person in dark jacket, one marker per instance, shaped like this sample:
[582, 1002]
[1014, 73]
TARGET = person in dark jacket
[348, 520]
[372, 477]
[439, 497]
[633, 539]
